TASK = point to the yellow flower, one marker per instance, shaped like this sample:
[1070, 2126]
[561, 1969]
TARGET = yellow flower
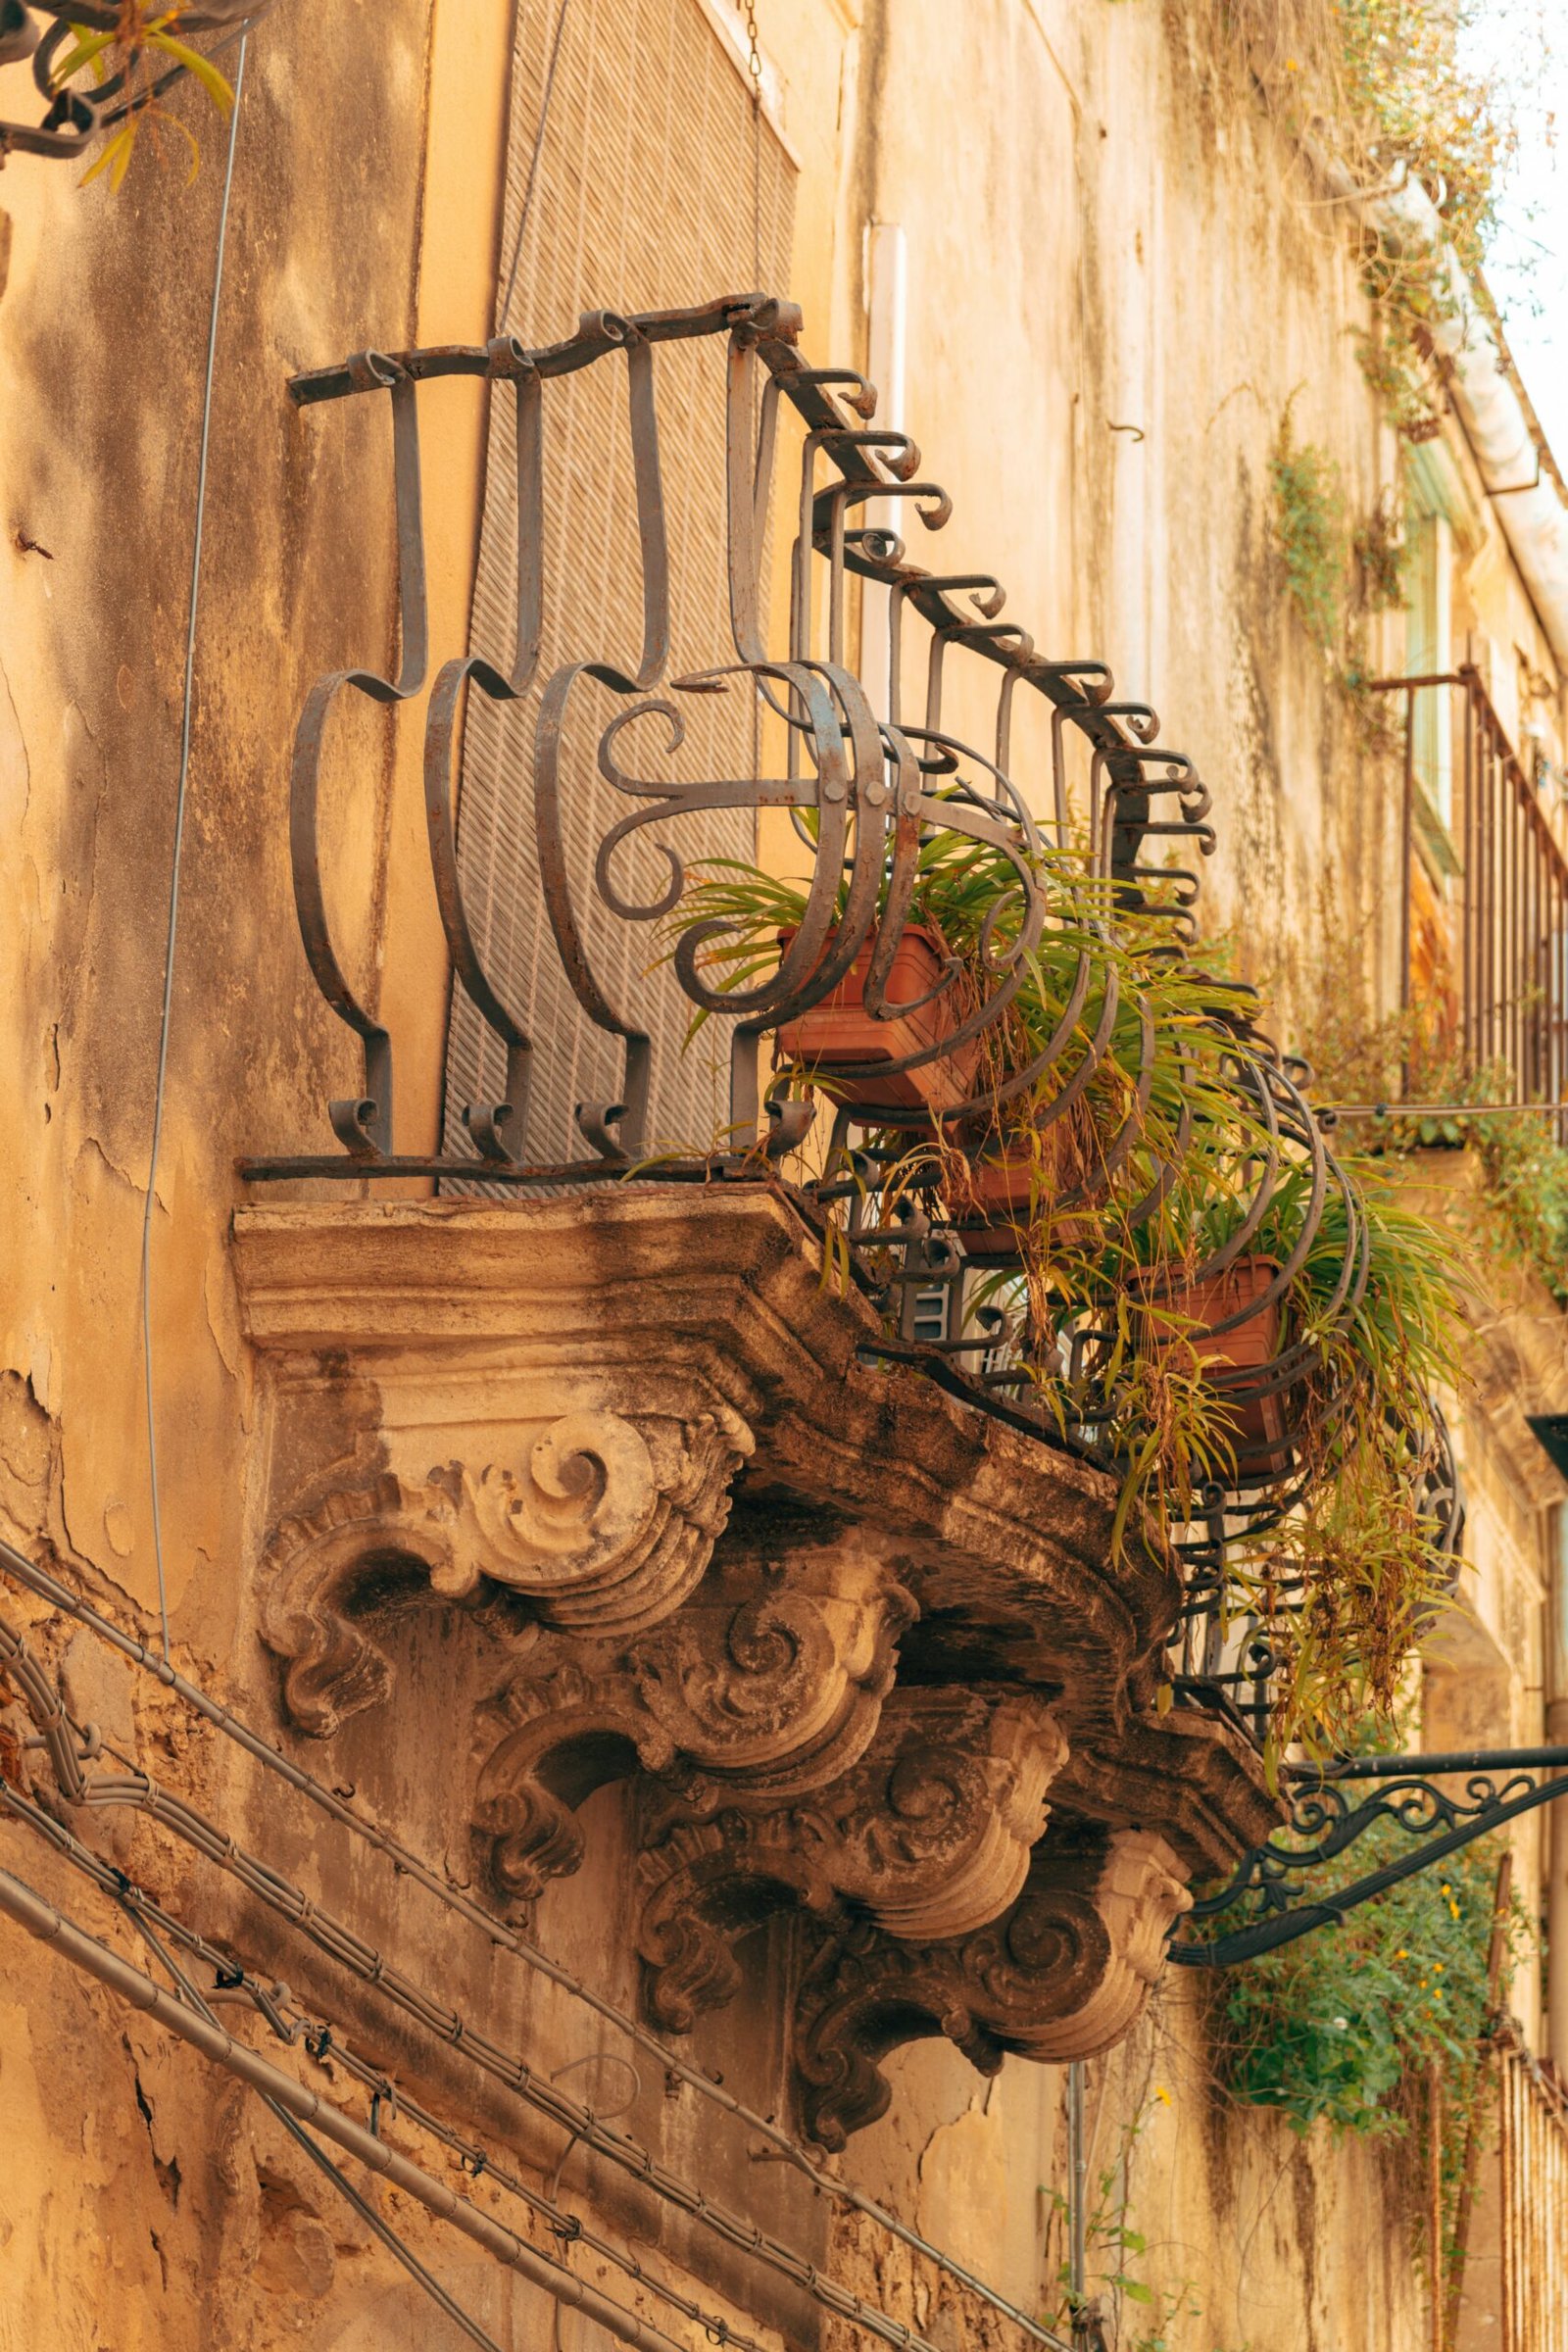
[1402, 1953]
[1437, 1968]
[1162, 2094]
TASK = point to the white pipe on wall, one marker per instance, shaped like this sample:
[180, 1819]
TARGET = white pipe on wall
[1529, 509]
[886, 299]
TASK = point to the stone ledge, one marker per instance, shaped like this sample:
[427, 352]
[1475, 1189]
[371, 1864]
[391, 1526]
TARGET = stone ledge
[863, 1650]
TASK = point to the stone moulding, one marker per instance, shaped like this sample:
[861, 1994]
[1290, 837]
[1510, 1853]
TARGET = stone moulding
[606, 1523]
[863, 1653]
[1063, 1974]
[929, 1834]
[772, 1684]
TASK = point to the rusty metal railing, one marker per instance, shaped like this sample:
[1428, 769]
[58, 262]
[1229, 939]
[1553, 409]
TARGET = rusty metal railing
[862, 790]
[1497, 997]
[871, 777]
[1533, 2121]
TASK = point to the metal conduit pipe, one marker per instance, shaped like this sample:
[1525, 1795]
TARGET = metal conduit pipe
[19, 1902]
[1556, 1857]
[37, 1694]
[1529, 504]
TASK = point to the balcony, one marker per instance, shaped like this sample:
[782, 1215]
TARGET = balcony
[775, 1471]
[1484, 951]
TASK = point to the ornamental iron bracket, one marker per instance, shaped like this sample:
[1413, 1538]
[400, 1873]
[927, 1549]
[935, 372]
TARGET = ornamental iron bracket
[1498, 1788]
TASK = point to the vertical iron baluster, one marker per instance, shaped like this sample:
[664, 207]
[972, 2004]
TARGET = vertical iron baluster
[1469, 884]
[363, 1123]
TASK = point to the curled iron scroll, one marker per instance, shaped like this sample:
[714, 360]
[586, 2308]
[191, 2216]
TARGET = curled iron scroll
[362, 1124]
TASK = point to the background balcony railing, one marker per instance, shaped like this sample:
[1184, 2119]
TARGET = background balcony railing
[1489, 969]
[1533, 2131]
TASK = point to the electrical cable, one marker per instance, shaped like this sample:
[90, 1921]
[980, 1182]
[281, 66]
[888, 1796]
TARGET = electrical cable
[505, 311]
[606, 2115]
[41, 1919]
[379, 2228]
[171, 934]
[318, 2039]
[407, 1863]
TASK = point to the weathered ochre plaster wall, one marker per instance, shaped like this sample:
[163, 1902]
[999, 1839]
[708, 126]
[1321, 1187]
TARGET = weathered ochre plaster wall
[136, 2204]
[1103, 231]
[1253, 2236]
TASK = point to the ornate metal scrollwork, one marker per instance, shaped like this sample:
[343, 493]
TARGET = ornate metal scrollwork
[872, 789]
[1265, 1887]
[870, 796]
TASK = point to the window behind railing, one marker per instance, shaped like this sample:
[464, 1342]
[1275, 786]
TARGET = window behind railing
[654, 178]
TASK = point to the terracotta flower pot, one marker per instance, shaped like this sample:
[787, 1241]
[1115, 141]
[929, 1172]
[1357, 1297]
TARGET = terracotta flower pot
[997, 1196]
[1261, 1423]
[839, 1033]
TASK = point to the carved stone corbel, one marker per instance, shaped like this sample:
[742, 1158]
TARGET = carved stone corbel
[1062, 1975]
[930, 1835]
[600, 1520]
[533, 1410]
[769, 1679]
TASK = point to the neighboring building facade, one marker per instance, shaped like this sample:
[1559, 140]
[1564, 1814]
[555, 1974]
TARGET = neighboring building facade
[577, 1534]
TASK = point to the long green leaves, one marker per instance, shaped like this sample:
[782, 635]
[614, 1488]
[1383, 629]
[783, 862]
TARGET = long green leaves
[136, 35]
[1140, 1148]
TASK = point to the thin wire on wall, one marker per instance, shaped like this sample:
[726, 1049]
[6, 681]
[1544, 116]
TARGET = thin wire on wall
[171, 934]
[378, 2227]
[411, 1865]
[291, 2023]
[505, 311]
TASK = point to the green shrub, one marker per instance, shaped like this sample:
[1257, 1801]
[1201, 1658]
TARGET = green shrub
[1332, 2027]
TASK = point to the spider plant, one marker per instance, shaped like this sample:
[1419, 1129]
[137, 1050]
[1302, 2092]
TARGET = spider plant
[1146, 1134]
[131, 48]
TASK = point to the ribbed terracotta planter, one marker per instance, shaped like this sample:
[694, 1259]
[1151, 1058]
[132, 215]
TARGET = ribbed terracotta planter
[840, 1033]
[993, 1199]
[1262, 1423]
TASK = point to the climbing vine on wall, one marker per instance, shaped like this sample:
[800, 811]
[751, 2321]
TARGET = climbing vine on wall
[1122, 2305]
[1343, 2029]
[1517, 1218]
[1337, 573]
[1378, 90]
[1332, 2027]
[1310, 532]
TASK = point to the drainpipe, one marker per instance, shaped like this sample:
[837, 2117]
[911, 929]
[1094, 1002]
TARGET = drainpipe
[1078, 2207]
[1557, 1814]
[887, 282]
[1526, 500]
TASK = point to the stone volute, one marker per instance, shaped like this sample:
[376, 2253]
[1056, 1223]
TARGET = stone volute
[858, 1651]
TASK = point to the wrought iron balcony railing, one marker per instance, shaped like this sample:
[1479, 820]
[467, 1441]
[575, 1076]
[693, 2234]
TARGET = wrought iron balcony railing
[874, 786]
[1488, 976]
[870, 783]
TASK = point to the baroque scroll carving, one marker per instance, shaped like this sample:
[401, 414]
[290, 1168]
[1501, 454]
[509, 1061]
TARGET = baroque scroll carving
[1061, 1974]
[606, 1523]
[930, 1835]
[770, 1681]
